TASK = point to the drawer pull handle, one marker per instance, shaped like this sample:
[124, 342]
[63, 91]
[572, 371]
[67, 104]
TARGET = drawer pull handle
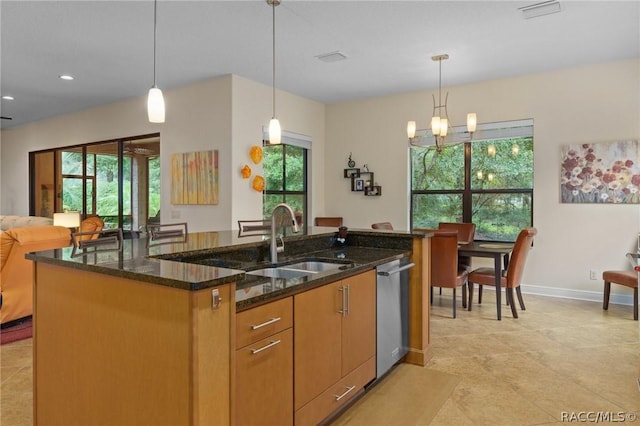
[271, 343]
[349, 389]
[271, 321]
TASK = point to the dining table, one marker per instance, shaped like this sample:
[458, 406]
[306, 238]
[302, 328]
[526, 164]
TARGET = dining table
[499, 252]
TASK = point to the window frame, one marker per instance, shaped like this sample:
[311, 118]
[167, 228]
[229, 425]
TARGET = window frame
[488, 131]
[299, 141]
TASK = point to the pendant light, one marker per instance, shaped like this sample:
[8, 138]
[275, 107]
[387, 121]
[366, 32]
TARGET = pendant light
[275, 132]
[155, 101]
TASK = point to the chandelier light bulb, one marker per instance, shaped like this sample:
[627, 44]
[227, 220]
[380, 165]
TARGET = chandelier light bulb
[435, 125]
[515, 149]
[444, 126]
[491, 150]
[471, 122]
[479, 175]
[411, 129]
[490, 176]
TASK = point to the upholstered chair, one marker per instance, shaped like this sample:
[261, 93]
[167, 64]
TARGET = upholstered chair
[513, 277]
[466, 234]
[90, 224]
[328, 221]
[382, 225]
[16, 272]
[445, 270]
[625, 278]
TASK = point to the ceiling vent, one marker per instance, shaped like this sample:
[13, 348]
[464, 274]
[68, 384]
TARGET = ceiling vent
[332, 57]
[540, 9]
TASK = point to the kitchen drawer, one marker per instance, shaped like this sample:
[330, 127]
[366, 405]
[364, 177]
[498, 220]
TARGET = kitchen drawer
[261, 322]
[327, 402]
[264, 381]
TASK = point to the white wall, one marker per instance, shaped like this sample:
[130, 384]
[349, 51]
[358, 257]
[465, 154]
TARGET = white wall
[225, 113]
[252, 109]
[568, 106]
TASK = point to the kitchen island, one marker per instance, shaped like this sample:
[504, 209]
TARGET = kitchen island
[147, 335]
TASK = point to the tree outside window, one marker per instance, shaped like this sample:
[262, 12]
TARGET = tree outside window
[488, 182]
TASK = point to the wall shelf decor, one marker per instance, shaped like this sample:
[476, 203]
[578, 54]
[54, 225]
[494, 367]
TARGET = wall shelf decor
[362, 179]
[351, 172]
[373, 191]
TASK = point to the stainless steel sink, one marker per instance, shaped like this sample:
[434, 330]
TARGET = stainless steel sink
[279, 273]
[313, 266]
[296, 270]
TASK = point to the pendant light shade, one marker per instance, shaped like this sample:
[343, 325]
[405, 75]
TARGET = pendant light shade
[155, 105]
[155, 100]
[275, 132]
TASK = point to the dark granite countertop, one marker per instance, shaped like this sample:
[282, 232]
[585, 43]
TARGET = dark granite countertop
[209, 259]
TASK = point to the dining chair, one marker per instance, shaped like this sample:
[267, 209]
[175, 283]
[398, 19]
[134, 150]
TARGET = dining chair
[445, 270]
[382, 225]
[328, 221]
[466, 234]
[625, 278]
[513, 276]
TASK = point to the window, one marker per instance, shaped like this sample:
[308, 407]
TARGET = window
[116, 180]
[488, 181]
[285, 172]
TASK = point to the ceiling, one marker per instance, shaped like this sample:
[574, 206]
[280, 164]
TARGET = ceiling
[108, 46]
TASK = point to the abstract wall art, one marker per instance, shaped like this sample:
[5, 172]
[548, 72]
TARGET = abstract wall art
[194, 177]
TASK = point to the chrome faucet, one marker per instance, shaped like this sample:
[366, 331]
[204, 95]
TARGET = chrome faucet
[275, 248]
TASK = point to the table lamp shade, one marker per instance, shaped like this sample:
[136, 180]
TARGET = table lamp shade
[67, 219]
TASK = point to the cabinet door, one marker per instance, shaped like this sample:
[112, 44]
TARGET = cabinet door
[359, 325]
[264, 380]
[317, 324]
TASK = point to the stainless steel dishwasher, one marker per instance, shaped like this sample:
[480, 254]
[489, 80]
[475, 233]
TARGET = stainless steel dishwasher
[392, 315]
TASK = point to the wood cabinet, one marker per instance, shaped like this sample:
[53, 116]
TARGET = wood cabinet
[334, 349]
[117, 351]
[264, 365]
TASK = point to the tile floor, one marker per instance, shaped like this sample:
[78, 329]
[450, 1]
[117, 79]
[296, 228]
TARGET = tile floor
[560, 356]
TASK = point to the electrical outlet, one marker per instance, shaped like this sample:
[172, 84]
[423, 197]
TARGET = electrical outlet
[593, 275]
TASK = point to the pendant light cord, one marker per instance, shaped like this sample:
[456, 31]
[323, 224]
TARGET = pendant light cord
[273, 76]
[155, 31]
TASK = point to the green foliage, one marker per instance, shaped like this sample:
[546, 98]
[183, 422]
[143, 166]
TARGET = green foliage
[438, 186]
[102, 176]
[284, 173]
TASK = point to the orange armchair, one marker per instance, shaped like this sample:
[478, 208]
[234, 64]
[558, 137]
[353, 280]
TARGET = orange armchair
[16, 272]
[91, 224]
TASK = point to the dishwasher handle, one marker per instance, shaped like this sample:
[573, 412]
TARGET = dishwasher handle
[397, 270]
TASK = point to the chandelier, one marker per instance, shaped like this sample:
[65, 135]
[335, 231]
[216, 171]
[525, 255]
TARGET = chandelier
[440, 122]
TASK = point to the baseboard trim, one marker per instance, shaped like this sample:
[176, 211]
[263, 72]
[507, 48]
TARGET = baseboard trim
[567, 293]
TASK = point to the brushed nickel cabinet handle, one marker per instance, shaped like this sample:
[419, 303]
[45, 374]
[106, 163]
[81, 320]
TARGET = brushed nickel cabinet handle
[271, 344]
[344, 309]
[271, 321]
[349, 389]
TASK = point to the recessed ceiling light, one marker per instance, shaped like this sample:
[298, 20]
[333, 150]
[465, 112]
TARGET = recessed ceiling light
[332, 57]
[540, 9]
[8, 98]
[66, 77]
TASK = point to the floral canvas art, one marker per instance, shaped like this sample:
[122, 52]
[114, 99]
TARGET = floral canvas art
[601, 173]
